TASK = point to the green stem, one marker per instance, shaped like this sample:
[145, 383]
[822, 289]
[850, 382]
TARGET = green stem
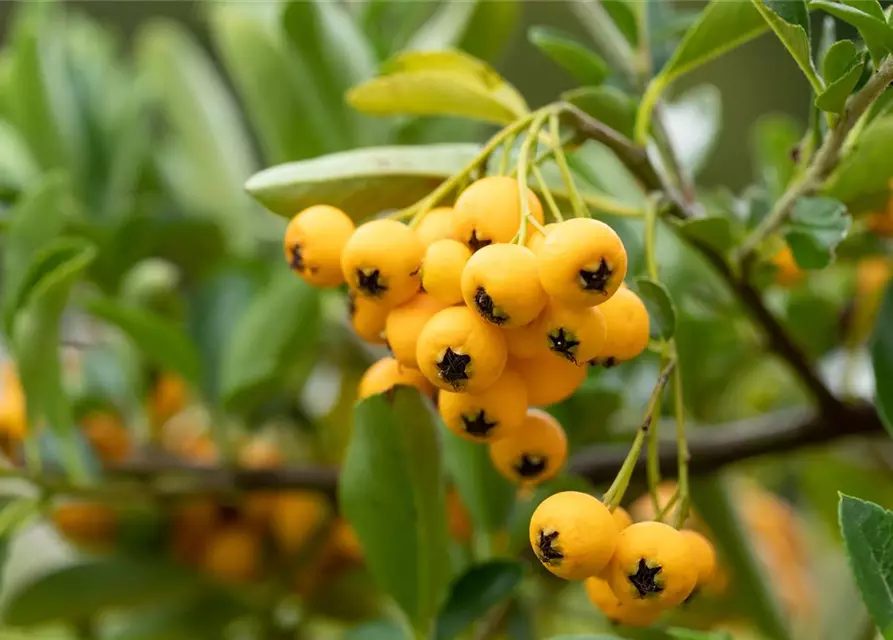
[547, 193]
[661, 513]
[577, 203]
[681, 447]
[527, 148]
[614, 495]
[506, 158]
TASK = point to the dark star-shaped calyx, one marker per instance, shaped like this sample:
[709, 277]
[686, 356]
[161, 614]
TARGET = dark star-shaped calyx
[529, 465]
[451, 367]
[478, 425]
[475, 243]
[596, 280]
[643, 579]
[369, 280]
[562, 342]
[545, 551]
[297, 258]
[484, 304]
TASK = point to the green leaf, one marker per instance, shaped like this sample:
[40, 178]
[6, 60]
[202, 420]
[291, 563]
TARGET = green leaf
[17, 166]
[491, 29]
[439, 83]
[392, 492]
[624, 16]
[205, 118]
[816, 227]
[660, 306]
[274, 86]
[608, 104]
[362, 182]
[376, 630]
[842, 68]
[868, 166]
[882, 360]
[874, 30]
[445, 29]
[715, 503]
[113, 583]
[789, 19]
[281, 322]
[691, 634]
[693, 121]
[583, 64]
[867, 529]
[474, 593]
[160, 340]
[488, 496]
[840, 57]
[773, 139]
[714, 232]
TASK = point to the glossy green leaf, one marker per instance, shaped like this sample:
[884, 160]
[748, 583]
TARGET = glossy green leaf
[280, 323]
[878, 35]
[608, 104]
[487, 495]
[867, 167]
[693, 121]
[584, 65]
[61, 595]
[661, 310]
[274, 86]
[714, 501]
[623, 14]
[867, 529]
[362, 182]
[205, 118]
[817, 225]
[491, 29]
[842, 68]
[715, 232]
[439, 83]
[474, 593]
[160, 340]
[445, 28]
[789, 19]
[774, 139]
[882, 360]
[839, 58]
[17, 166]
[206, 615]
[391, 491]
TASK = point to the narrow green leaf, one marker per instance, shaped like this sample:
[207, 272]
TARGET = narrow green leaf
[608, 104]
[362, 182]
[774, 140]
[160, 341]
[833, 99]
[816, 227]
[714, 232]
[882, 360]
[877, 34]
[716, 506]
[60, 596]
[583, 64]
[867, 529]
[281, 322]
[474, 593]
[660, 307]
[392, 492]
[868, 166]
[488, 496]
[624, 16]
[445, 29]
[17, 166]
[789, 19]
[491, 28]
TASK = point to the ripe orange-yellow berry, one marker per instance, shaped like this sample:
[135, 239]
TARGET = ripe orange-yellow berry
[192, 524]
[458, 519]
[294, 517]
[788, 271]
[314, 241]
[631, 614]
[233, 554]
[701, 554]
[536, 238]
[442, 270]
[169, 396]
[501, 283]
[621, 518]
[549, 380]
[382, 261]
[108, 437]
[652, 563]
[436, 225]
[881, 222]
[458, 351]
[367, 318]
[524, 342]
[387, 373]
[86, 524]
[573, 535]
[582, 262]
[576, 334]
[13, 421]
[405, 323]
[627, 324]
[495, 413]
[488, 211]
[532, 454]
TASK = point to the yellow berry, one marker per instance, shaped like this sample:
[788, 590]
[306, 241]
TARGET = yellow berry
[436, 225]
[457, 351]
[532, 454]
[573, 535]
[405, 323]
[442, 270]
[13, 421]
[631, 614]
[107, 436]
[576, 334]
[652, 563]
[501, 283]
[367, 318]
[382, 261]
[536, 238]
[549, 380]
[233, 554]
[582, 262]
[294, 517]
[621, 518]
[314, 241]
[192, 524]
[87, 524]
[701, 554]
[627, 324]
[524, 342]
[496, 413]
[488, 211]
[387, 373]
[788, 271]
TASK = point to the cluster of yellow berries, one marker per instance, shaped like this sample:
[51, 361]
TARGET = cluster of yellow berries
[633, 572]
[493, 325]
